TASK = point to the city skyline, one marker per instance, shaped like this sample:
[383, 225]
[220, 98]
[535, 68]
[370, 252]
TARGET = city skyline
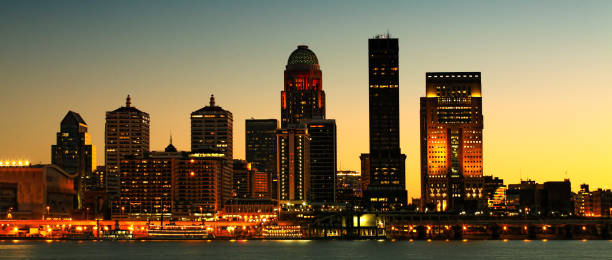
[558, 107]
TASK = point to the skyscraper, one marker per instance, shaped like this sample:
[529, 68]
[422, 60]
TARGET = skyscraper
[387, 188]
[212, 128]
[451, 142]
[126, 134]
[322, 160]
[261, 149]
[293, 167]
[212, 135]
[303, 96]
[74, 152]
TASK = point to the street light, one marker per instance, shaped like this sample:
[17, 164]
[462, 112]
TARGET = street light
[48, 210]
[122, 211]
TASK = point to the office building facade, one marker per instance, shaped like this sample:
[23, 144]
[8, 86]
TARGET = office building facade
[126, 134]
[451, 142]
[260, 147]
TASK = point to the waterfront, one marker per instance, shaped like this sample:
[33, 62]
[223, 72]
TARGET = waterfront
[306, 249]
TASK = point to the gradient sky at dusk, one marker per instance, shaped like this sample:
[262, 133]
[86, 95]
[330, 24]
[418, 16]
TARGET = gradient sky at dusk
[547, 96]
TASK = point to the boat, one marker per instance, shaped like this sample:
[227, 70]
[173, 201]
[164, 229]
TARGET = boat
[174, 232]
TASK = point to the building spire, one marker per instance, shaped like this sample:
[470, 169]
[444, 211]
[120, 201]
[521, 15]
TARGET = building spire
[128, 101]
[170, 137]
[212, 100]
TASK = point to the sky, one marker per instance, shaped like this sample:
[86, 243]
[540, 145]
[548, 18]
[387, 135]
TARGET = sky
[545, 66]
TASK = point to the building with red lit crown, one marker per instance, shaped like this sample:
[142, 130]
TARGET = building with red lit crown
[303, 96]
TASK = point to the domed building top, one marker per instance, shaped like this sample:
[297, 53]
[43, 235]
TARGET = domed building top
[303, 55]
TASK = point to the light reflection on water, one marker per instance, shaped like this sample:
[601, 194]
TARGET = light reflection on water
[306, 249]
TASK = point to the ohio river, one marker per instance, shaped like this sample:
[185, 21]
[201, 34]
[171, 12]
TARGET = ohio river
[305, 249]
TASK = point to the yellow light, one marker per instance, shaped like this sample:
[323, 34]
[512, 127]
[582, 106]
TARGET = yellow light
[15, 229]
[79, 228]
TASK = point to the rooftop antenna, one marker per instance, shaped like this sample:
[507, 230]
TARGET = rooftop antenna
[128, 101]
[388, 35]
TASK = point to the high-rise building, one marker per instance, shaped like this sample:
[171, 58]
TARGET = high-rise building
[212, 129]
[323, 158]
[74, 152]
[387, 187]
[293, 167]
[303, 96]
[451, 142]
[261, 149]
[126, 134]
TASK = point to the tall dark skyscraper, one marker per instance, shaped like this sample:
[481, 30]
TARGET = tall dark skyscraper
[303, 96]
[212, 129]
[451, 142]
[322, 160]
[74, 152]
[387, 188]
[126, 134]
[261, 149]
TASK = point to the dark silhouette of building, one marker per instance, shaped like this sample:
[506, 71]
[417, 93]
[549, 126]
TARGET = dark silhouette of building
[249, 182]
[212, 129]
[126, 134]
[261, 149]
[303, 96]
[74, 153]
[451, 142]
[323, 157]
[365, 170]
[552, 198]
[387, 187]
[348, 187]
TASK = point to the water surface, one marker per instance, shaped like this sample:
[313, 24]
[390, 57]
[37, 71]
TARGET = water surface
[305, 249]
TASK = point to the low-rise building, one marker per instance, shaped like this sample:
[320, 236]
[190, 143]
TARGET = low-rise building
[35, 191]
